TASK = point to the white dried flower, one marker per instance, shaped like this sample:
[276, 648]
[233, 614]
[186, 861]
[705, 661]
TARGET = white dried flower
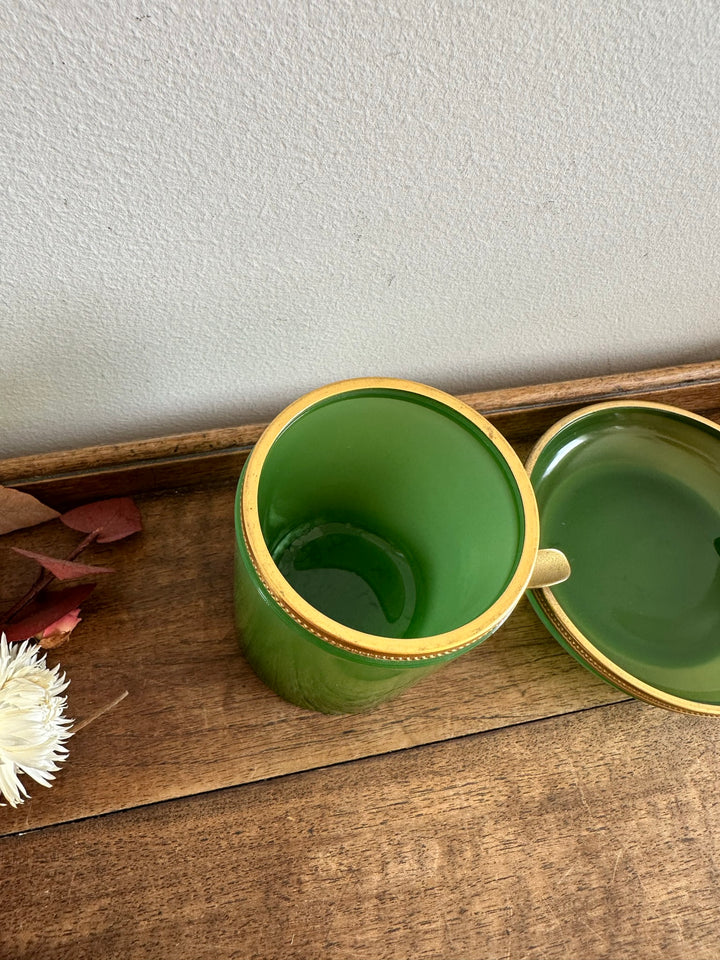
[32, 726]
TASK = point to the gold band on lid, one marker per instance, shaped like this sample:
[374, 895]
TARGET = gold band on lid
[335, 633]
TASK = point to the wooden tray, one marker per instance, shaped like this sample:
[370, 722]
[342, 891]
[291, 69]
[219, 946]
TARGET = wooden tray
[196, 718]
[591, 832]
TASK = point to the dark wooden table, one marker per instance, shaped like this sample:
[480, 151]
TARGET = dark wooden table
[511, 806]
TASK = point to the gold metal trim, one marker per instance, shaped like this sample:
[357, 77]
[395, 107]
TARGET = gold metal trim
[551, 567]
[337, 634]
[553, 610]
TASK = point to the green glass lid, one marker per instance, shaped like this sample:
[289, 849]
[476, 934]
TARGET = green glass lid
[630, 492]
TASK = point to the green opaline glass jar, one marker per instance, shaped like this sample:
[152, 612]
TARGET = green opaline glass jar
[383, 528]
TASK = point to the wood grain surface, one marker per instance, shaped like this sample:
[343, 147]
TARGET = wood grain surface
[196, 717]
[589, 836]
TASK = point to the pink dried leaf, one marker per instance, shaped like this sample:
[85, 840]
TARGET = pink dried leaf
[48, 608]
[63, 569]
[59, 632]
[115, 519]
[19, 510]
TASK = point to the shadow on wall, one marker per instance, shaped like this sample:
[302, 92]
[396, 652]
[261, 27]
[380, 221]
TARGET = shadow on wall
[76, 371]
[71, 367]
[232, 414]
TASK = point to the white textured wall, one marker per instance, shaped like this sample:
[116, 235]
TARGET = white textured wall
[208, 208]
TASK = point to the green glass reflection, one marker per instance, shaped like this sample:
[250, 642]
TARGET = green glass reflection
[352, 576]
[632, 496]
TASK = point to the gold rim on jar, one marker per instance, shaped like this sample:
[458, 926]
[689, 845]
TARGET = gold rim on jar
[335, 633]
[561, 622]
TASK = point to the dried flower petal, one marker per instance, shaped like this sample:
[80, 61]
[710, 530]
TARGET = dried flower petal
[63, 569]
[59, 632]
[48, 608]
[115, 519]
[33, 728]
[19, 510]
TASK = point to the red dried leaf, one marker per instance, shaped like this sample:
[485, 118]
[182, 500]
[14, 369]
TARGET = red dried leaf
[47, 609]
[115, 519]
[64, 569]
[19, 510]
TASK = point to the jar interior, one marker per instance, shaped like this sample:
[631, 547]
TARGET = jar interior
[391, 513]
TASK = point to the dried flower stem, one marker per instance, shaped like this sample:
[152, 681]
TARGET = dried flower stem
[99, 713]
[45, 578]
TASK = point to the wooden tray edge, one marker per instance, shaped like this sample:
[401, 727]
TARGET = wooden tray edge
[240, 439]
